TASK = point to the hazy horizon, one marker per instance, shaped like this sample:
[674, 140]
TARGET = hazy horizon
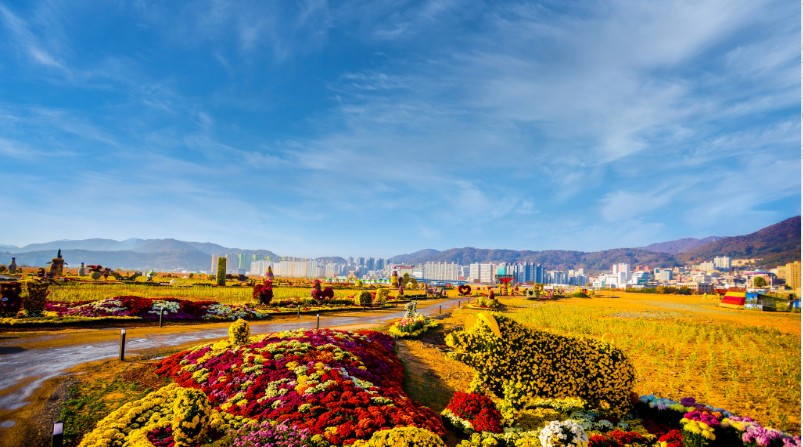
[4, 244]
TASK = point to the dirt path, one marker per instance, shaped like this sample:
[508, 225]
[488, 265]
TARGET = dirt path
[29, 359]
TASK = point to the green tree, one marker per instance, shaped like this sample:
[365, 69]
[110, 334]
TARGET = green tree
[759, 282]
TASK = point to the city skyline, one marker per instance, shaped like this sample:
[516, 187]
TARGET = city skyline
[377, 129]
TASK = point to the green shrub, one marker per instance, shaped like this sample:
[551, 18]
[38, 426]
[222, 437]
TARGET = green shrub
[363, 298]
[381, 296]
[579, 294]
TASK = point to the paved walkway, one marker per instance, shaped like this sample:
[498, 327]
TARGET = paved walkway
[27, 360]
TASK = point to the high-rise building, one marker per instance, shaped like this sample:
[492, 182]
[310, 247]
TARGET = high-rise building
[441, 271]
[557, 277]
[639, 278]
[722, 262]
[524, 272]
[258, 267]
[622, 268]
[793, 275]
[664, 275]
[707, 266]
[473, 272]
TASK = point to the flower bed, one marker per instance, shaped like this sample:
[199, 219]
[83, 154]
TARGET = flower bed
[411, 327]
[340, 385]
[470, 412]
[702, 425]
[412, 324]
[149, 309]
[528, 371]
[486, 303]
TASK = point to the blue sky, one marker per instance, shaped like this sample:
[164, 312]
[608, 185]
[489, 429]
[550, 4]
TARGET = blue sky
[378, 128]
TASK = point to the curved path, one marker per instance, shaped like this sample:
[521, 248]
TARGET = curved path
[27, 360]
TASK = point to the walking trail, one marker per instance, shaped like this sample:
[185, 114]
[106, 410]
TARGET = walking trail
[28, 359]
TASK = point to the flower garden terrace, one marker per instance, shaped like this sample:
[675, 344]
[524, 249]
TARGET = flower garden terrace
[655, 336]
[515, 415]
[74, 301]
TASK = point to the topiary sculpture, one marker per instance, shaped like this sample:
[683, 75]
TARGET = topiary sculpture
[263, 293]
[239, 332]
[191, 411]
[34, 303]
[547, 365]
[221, 271]
[319, 295]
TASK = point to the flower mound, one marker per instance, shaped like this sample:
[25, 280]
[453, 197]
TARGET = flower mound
[149, 309]
[169, 416]
[471, 412]
[341, 385]
[413, 323]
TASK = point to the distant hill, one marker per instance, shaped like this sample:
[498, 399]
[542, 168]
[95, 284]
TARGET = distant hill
[125, 260]
[332, 259]
[130, 254]
[775, 245]
[550, 259]
[680, 245]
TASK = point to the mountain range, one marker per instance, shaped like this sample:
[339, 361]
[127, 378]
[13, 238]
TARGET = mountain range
[775, 245]
[130, 254]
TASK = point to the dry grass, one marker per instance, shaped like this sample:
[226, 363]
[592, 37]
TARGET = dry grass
[99, 290]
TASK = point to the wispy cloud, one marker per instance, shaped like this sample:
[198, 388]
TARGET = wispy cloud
[507, 124]
[27, 42]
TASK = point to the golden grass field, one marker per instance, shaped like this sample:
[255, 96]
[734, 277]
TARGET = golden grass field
[99, 290]
[747, 362]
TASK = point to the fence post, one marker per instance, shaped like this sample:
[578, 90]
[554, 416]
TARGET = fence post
[161, 313]
[122, 345]
[318, 322]
[58, 434]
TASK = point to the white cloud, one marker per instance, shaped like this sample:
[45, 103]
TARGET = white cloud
[25, 40]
